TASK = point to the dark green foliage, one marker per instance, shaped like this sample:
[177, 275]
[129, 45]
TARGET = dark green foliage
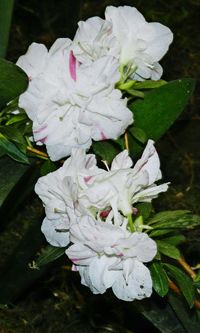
[13, 82]
[183, 281]
[160, 280]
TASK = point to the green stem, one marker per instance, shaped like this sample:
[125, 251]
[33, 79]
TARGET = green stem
[130, 222]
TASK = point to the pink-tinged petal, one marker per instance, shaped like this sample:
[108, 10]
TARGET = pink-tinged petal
[72, 65]
[43, 140]
[74, 268]
[87, 179]
[103, 137]
[39, 130]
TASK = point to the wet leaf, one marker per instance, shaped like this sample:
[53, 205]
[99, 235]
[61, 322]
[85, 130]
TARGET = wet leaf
[184, 282]
[168, 249]
[159, 278]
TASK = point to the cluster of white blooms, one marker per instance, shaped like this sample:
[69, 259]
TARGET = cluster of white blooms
[90, 207]
[73, 99]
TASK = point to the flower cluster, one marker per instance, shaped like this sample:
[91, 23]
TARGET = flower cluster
[92, 208]
[72, 99]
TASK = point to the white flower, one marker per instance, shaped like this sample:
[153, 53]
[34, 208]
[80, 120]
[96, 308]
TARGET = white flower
[71, 104]
[142, 44]
[109, 256]
[93, 40]
[79, 187]
[123, 186]
[58, 191]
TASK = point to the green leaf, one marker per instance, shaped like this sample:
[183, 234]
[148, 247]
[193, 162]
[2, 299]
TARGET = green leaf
[159, 278]
[47, 166]
[160, 314]
[21, 117]
[188, 319]
[149, 84]
[175, 240]
[138, 134]
[169, 221]
[184, 282]
[145, 209]
[13, 134]
[49, 254]
[106, 150]
[10, 174]
[13, 82]
[12, 151]
[160, 107]
[168, 215]
[6, 9]
[168, 250]
[135, 93]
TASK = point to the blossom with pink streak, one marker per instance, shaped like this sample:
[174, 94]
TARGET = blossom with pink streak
[108, 256]
[71, 104]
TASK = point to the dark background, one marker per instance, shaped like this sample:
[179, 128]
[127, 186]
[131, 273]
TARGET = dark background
[57, 302]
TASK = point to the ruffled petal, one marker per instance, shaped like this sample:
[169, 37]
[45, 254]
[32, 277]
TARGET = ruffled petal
[56, 231]
[138, 285]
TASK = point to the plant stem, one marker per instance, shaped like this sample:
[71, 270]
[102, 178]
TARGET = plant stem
[36, 151]
[126, 141]
[187, 268]
[130, 222]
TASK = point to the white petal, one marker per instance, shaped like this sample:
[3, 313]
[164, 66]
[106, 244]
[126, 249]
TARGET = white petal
[80, 254]
[56, 231]
[122, 161]
[149, 162]
[142, 44]
[100, 275]
[93, 40]
[34, 61]
[137, 286]
[159, 38]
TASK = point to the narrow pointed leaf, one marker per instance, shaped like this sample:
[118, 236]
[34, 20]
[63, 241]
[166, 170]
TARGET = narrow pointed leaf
[49, 254]
[168, 249]
[159, 278]
[184, 282]
[11, 150]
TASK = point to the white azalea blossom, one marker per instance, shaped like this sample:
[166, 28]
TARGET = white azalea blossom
[122, 186]
[93, 40]
[58, 191]
[142, 44]
[71, 104]
[79, 187]
[127, 36]
[109, 256]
